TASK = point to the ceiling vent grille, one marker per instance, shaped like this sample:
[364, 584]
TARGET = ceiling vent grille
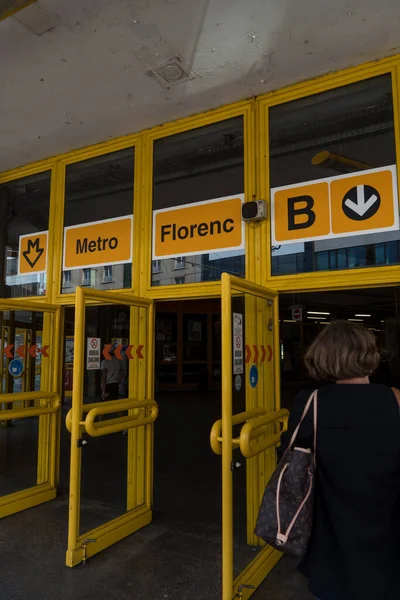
[172, 72]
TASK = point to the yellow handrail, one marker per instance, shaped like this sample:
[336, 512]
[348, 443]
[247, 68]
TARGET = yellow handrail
[216, 430]
[252, 441]
[85, 409]
[23, 413]
[117, 424]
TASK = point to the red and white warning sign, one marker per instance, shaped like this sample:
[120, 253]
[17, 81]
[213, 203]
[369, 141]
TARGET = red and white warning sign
[93, 354]
[297, 313]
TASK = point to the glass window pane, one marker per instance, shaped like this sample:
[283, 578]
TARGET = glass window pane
[24, 210]
[322, 261]
[192, 167]
[342, 131]
[392, 252]
[99, 189]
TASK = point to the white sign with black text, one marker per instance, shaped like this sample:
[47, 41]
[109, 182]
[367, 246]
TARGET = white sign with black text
[237, 343]
[93, 354]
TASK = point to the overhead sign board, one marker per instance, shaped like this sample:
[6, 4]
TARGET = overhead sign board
[32, 256]
[199, 228]
[97, 244]
[347, 205]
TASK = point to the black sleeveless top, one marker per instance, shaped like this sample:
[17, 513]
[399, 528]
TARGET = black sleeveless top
[354, 551]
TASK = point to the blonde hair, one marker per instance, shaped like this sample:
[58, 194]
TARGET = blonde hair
[342, 350]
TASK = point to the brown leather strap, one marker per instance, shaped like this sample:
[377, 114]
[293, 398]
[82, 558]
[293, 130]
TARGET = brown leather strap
[312, 399]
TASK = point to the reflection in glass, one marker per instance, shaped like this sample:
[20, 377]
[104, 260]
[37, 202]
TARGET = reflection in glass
[195, 166]
[375, 308]
[353, 122]
[24, 209]
[21, 331]
[98, 189]
[21, 364]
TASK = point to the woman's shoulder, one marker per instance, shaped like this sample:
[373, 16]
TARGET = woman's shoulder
[373, 398]
[305, 394]
[372, 391]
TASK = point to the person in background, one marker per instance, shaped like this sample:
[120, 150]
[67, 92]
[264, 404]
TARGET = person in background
[354, 549]
[111, 376]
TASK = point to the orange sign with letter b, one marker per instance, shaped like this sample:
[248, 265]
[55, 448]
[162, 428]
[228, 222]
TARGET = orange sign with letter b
[301, 211]
[359, 203]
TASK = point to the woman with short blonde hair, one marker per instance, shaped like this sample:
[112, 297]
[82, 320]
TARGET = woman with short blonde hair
[354, 549]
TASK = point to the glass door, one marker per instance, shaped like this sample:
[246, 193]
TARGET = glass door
[29, 403]
[249, 431]
[111, 420]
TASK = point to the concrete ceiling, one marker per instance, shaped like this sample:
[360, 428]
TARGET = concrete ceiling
[74, 73]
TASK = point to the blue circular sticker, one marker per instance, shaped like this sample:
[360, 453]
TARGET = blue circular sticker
[253, 376]
[16, 367]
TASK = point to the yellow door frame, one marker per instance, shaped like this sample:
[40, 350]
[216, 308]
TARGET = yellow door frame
[142, 412]
[44, 404]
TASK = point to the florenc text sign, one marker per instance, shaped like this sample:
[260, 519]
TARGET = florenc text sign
[346, 205]
[199, 228]
[100, 243]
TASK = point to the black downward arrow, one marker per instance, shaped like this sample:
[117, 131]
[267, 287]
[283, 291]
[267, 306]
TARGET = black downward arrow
[33, 252]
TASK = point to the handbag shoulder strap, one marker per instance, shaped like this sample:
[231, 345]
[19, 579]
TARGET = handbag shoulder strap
[396, 392]
[312, 400]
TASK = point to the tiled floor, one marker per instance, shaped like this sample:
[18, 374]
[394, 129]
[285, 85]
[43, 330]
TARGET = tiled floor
[156, 563]
[284, 583]
[177, 557]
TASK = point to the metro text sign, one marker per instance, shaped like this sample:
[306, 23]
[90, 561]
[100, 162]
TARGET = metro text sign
[100, 243]
[359, 203]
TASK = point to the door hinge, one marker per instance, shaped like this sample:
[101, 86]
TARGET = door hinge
[243, 587]
[84, 546]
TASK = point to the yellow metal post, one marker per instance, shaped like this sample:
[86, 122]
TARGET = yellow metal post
[227, 483]
[77, 395]
[277, 355]
[45, 421]
[150, 394]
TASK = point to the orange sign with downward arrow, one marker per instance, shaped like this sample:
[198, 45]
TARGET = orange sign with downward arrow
[32, 257]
